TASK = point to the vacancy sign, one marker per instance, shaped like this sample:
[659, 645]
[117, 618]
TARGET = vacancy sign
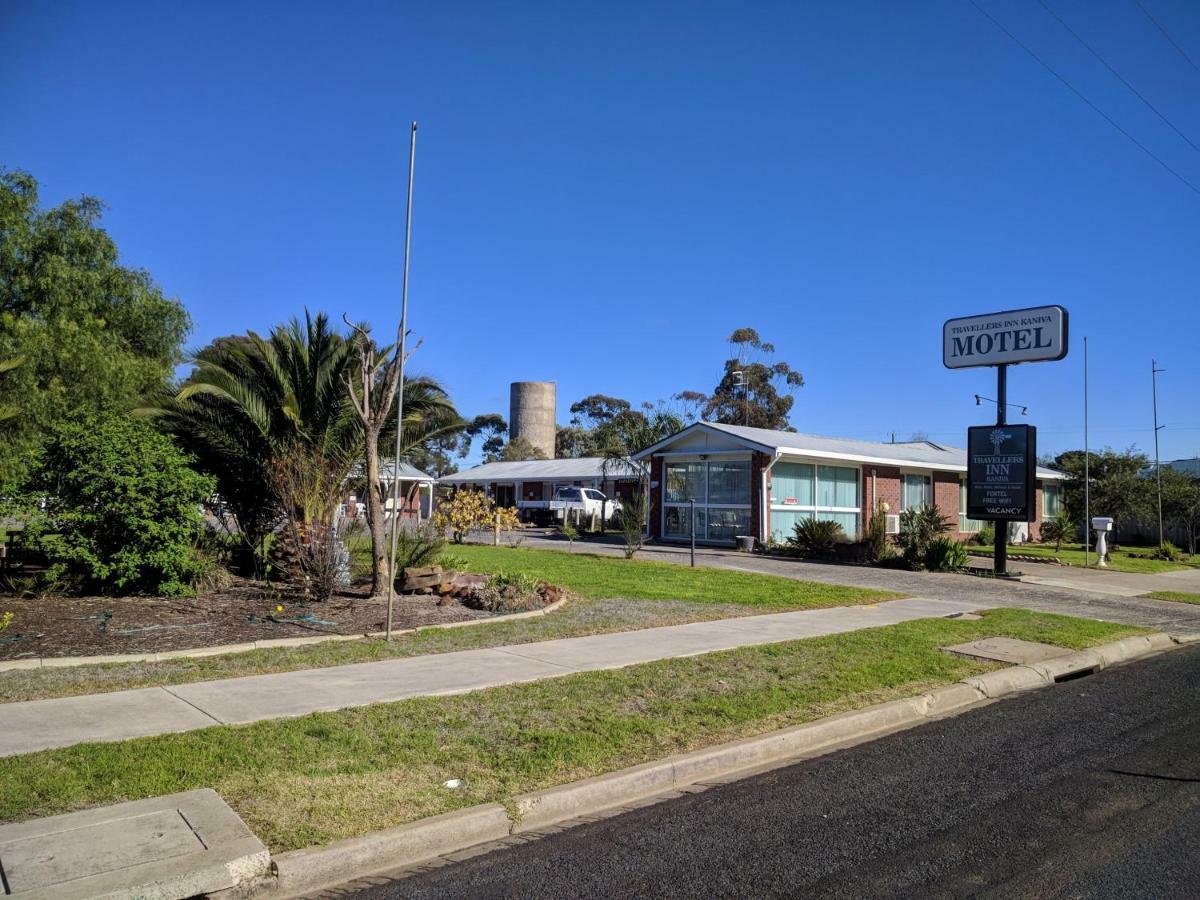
[1005, 338]
[1002, 472]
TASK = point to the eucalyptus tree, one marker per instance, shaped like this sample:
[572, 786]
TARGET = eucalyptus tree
[428, 413]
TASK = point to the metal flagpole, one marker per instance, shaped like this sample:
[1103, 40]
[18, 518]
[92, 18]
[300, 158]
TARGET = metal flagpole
[1087, 481]
[412, 155]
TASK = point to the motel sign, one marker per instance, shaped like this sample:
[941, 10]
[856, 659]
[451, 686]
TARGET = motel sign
[1005, 338]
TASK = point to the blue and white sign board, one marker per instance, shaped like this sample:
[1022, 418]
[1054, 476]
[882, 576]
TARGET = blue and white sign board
[1005, 338]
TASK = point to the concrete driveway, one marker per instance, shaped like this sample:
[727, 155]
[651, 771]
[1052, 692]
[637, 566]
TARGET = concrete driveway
[1111, 596]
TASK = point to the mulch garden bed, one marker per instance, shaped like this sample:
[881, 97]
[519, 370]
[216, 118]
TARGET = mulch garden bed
[244, 611]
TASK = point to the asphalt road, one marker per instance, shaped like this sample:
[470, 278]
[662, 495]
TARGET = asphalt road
[1090, 788]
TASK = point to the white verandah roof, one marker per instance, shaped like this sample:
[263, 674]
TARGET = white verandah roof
[907, 454]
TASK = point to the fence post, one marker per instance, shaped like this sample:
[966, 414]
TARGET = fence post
[496, 530]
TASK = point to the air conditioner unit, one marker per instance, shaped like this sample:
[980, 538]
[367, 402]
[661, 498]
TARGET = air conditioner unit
[892, 524]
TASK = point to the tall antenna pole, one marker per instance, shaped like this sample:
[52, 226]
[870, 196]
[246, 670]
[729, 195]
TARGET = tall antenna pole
[1087, 481]
[412, 156]
[1154, 370]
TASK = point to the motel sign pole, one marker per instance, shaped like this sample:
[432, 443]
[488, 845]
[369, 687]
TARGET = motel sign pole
[1000, 553]
[1002, 485]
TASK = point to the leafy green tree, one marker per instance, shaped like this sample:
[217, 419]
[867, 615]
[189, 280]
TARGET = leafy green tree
[1181, 505]
[520, 449]
[572, 442]
[373, 393]
[121, 507]
[9, 411]
[764, 398]
[1119, 487]
[492, 428]
[93, 334]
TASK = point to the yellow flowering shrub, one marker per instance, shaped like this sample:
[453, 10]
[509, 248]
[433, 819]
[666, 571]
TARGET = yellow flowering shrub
[467, 511]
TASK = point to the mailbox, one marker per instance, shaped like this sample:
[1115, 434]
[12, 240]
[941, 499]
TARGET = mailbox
[1102, 523]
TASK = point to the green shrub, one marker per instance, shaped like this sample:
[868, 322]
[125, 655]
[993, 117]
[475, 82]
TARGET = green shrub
[451, 563]
[945, 555]
[507, 593]
[920, 527]
[1168, 552]
[816, 536]
[122, 507]
[876, 544]
[630, 520]
[986, 536]
[1058, 529]
[416, 547]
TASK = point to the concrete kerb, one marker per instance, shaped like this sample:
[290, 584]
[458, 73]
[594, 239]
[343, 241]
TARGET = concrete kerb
[54, 662]
[423, 842]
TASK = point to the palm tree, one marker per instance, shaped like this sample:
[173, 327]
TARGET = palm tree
[255, 405]
[272, 420]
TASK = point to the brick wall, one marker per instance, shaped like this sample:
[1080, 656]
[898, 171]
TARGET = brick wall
[945, 497]
[887, 489]
[760, 516]
[1035, 527]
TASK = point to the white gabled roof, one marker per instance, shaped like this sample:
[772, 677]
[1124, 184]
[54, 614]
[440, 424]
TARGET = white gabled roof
[576, 469]
[407, 472]
[915, 454]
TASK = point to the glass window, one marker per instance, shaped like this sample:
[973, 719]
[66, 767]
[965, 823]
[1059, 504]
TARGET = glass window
[729, 481]
[685, 481]
[783, 523]
[676, 522]
[724, 524]
[1051, 500]
[837, 486]
[917, 492]
[792, 485]
[848, 521]
[965, 525]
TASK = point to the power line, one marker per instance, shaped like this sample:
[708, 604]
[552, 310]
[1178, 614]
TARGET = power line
[1076, 92]
[1167, 35]
[1154, 109]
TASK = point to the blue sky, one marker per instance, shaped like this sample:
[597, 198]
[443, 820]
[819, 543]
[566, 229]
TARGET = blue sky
[605, 191]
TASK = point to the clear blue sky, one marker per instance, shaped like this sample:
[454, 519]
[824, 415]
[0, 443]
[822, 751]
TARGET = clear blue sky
[605, 191]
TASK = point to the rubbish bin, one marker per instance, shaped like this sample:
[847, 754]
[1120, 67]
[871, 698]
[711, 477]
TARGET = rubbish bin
[745, 542]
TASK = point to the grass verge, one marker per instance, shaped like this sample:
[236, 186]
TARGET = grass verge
[619, 595]
[316, 779]
[1118, 560]
[1176, 596]
[578, 618]
[596, 576]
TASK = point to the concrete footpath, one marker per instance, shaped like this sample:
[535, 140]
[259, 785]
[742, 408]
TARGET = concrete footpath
[40, 724]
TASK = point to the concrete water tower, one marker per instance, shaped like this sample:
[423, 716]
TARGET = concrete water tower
[531, 414]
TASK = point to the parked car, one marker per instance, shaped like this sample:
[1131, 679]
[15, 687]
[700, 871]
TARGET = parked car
[582, 502]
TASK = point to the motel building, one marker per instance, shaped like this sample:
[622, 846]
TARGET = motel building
[757, 482]
[526, 483]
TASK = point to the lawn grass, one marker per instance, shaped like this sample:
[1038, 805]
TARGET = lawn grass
[615, 595]
[1118, 560]
[1177, 596]
[326, 776]
[578, 618]
[596, 576]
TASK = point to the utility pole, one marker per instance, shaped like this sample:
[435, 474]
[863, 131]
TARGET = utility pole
[391, 595]
[1154, 372]
[1087, 481]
